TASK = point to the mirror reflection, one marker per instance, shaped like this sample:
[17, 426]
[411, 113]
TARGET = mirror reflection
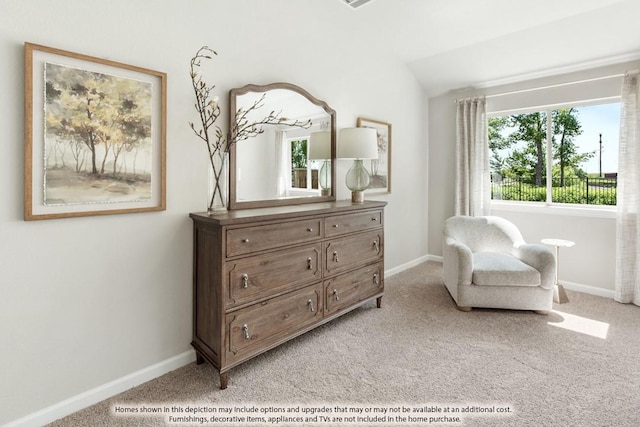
[289, 162]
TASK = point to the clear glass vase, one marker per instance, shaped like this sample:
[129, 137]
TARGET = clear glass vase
[357, 179]
[325, 178]
[218, 188]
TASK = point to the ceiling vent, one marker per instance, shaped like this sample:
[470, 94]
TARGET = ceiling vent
[356, 3]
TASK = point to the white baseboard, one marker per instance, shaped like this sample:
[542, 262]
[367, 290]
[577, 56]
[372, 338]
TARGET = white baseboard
[105, 391]
[406, 266]
[586, 289]
[437, 258]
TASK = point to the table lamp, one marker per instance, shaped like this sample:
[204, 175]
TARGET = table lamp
[320, 149]
[358, 144]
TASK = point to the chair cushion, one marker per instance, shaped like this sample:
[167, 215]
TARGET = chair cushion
[501, 269]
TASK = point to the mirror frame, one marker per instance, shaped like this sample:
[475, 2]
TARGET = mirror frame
[233, 202]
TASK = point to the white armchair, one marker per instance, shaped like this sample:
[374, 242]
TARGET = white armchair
[488, 264]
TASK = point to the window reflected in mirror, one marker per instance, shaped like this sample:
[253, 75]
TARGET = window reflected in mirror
[309, 172]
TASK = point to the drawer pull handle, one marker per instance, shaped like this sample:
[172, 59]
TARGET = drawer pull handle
[335, 225]
[335, 256]
[310, 304]
[309, 260]
[309, 229]
[375, 279]
[245, 240]
[245, 328]
[245, 281]
[375, 245]
[335, 295]
[374, 219]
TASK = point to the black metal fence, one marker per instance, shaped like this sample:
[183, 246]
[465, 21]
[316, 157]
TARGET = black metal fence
[592, 191]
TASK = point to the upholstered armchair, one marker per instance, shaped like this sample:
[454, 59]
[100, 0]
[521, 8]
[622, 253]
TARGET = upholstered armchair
[488, 264]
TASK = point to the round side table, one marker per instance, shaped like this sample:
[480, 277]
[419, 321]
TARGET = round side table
[559, 295]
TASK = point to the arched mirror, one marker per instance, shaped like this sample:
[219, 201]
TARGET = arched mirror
[291, 160]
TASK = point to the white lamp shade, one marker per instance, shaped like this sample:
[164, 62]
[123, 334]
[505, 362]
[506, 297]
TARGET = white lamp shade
[358, 143]
[320, 145]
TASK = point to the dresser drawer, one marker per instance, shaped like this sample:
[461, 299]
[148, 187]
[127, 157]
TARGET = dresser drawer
[349, 252]
[263, 325]
[350, 288]
[246, 240]
[254, 278]
[343, 224]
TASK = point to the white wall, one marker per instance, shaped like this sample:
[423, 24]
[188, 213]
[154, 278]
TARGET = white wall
[588, 266]
[87, 301]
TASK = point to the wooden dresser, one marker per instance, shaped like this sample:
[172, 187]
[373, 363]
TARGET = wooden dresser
[264, 276]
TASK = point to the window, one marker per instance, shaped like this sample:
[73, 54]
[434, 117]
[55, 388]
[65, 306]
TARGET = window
[577, 146]
[304, 172]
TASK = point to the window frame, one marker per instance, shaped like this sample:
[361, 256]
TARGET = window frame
[299, 191]
[549, 206]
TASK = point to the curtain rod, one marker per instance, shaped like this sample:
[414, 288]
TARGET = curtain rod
[556, 85]
[513, 92]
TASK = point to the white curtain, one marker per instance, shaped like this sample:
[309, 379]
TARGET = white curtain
[628, 196]
[283, 164]
[473, 182]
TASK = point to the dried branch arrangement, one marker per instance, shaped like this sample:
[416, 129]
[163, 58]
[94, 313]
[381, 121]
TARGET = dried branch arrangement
[243, 129]
[206, 105]
[208, 108]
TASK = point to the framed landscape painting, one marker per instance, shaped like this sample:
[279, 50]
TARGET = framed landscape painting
[380, 168]
[95, 136]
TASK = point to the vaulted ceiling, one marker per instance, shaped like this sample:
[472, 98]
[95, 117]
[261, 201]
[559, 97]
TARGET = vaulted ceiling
[452, 44]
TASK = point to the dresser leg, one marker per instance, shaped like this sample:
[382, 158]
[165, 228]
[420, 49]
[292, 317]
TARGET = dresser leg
[379, 302]
[199, 359]
[224, 380]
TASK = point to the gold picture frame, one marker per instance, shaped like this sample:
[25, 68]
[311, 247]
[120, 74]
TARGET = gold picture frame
[380, 168]
[94, 136]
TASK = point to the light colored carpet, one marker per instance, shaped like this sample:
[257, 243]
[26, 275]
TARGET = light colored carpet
[417, 351]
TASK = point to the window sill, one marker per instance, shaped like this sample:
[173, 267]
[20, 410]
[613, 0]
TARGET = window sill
[301, 192]
[556, 209]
